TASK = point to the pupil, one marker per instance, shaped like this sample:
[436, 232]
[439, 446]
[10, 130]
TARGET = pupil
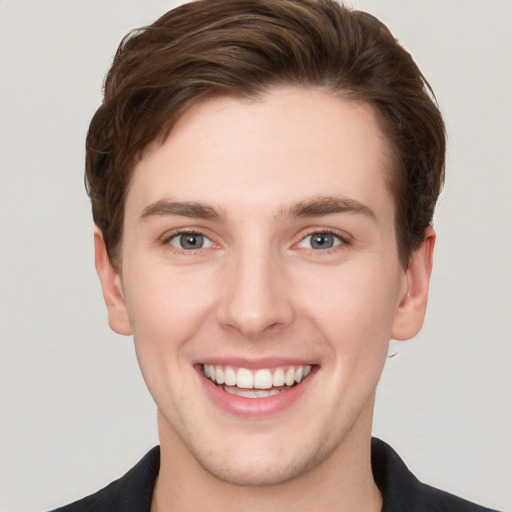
[191, 241]
[322, 241]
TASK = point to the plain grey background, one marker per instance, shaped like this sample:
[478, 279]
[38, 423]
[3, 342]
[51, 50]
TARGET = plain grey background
[75, 413]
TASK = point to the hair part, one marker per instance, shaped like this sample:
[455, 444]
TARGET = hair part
[245, 48]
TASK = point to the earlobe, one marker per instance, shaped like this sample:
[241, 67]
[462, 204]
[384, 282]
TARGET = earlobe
[111, 286]
[411, 310]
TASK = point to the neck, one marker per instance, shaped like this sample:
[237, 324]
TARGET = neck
[341, 483]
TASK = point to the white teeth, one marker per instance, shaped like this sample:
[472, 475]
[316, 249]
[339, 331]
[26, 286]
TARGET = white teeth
[244, 378]
[252, 393]
[290, 376]
[230, 377]
[219, 375]
[278, 378]
[262, 379]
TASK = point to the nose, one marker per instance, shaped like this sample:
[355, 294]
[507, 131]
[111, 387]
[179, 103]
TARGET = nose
[256, 298]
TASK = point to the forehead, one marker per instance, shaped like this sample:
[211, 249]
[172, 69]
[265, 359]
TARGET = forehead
[285, 146]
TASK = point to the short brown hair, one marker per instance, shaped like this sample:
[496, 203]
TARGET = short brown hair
[244, 48]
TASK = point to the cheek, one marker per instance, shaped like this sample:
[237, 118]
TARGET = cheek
[166, 308]
[354, 306]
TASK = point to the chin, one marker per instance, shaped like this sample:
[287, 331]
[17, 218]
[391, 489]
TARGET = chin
[257, 473]
[264, 466]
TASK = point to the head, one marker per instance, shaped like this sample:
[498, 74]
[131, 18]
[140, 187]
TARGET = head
[263, 176]
[243, 48]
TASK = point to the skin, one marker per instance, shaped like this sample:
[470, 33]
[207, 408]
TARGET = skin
[259, 289]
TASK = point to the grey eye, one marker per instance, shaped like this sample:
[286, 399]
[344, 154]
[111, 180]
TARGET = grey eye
[190, 241]
[319, 241]
[322, 241]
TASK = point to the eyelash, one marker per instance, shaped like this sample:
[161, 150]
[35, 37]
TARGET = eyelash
[175, 234]
[343, 240]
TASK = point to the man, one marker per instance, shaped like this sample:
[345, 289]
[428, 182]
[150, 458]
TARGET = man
[263, 177]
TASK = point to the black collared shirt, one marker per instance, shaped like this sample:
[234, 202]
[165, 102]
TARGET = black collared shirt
[400, 489]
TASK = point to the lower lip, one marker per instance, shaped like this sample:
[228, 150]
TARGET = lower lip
[254, 407]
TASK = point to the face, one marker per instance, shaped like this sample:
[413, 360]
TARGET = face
[261, 281]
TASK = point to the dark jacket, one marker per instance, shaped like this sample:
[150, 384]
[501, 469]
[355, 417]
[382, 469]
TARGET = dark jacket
[401, 490]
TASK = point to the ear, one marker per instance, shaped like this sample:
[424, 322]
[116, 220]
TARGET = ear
[111, 285]
[410, 313]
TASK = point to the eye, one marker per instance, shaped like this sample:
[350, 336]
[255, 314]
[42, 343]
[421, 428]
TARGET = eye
[320, 240]
[190, 241]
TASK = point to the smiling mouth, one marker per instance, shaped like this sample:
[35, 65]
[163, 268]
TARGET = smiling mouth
[260, 383]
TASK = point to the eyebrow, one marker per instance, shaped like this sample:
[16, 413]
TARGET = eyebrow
[312, 207]
[165, 207]
[328, 205]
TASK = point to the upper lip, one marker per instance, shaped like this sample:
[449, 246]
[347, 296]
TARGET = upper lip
[255, 364]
